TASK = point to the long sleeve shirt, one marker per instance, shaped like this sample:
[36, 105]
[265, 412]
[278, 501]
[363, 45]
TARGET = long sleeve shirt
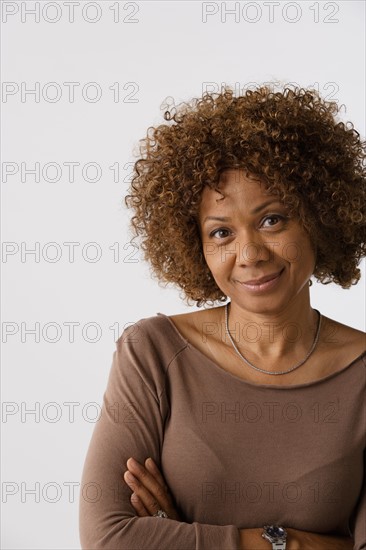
[233, 453]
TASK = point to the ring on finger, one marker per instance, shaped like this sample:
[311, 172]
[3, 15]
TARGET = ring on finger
[161, 514]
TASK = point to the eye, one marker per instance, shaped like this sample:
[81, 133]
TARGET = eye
[220, 230]
[274, 219]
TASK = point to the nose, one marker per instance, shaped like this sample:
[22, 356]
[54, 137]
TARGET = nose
[250, 249]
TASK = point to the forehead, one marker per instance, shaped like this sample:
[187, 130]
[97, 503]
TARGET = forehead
[235, 189]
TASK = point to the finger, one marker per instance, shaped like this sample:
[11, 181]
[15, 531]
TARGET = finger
[159, 490]
[153, 469]
[148, 499]
[147, 488]
[156, 486]
[138, 506]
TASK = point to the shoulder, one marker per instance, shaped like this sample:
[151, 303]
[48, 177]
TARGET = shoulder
[343, 341]
[143, 354]
[144, 328]
[150, 339]
[196, 323]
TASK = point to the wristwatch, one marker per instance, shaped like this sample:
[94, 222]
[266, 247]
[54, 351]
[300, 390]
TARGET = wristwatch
[276, 535]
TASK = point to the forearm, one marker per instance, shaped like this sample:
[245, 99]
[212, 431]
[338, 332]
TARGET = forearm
[251, 539]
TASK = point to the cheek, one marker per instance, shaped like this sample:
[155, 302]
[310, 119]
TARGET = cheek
[213, 259]
[299, 252]
[292, 252]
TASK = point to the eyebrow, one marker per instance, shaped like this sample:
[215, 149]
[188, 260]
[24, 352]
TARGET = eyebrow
[254, 211]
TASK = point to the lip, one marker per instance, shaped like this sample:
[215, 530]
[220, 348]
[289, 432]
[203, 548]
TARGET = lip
[264, 279]
[263, 283]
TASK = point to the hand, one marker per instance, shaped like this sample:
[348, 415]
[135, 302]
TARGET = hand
[150, 492]
[251, 539]
[304, 540]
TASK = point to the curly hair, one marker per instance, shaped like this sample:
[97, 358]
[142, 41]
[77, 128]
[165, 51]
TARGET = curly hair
[289, 139]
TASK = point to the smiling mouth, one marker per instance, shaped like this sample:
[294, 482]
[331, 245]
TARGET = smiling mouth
[263, 283]
[261, 280]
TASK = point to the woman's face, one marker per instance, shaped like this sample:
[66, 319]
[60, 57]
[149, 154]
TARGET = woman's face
[254, 239]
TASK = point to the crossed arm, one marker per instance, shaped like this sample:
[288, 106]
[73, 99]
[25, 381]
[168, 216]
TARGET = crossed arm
[111, 519]
[150, 493]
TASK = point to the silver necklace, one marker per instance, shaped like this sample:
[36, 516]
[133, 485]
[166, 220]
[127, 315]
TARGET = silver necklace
[267, 371]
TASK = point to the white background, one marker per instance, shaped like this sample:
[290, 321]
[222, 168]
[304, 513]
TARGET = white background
[169, 48]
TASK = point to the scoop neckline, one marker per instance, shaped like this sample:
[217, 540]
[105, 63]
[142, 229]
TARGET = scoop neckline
[253, 384]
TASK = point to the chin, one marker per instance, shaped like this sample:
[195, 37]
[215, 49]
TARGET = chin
[261, 304]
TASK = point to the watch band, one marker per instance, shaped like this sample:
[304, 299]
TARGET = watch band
[275, 535]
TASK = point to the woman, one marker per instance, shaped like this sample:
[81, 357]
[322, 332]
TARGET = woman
[242, 425]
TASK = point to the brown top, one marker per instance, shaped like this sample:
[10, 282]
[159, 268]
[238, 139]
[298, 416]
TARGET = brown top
[234, 454]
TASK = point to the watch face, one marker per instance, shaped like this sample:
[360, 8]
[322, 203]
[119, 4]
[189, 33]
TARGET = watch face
[275, 532]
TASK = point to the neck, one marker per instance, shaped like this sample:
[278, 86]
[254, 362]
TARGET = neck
[272, 336]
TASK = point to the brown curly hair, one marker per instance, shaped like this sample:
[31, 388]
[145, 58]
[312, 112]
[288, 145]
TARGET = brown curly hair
[288, 139]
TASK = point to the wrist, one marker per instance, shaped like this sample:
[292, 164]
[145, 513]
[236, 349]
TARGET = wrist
[251, 539]
[292, 540]
[276, 535]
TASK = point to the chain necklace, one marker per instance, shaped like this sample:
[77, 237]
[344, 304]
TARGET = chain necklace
[316, 339]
